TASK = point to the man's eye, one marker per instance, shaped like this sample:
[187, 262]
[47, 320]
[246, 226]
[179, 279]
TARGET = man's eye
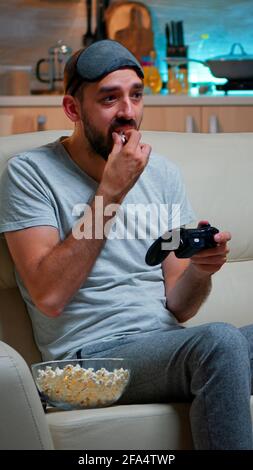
[138, 95]
[109, 99]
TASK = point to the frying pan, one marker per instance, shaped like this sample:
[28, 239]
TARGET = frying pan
[233, 66]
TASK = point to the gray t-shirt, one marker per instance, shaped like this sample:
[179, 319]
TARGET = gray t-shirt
[122, 294]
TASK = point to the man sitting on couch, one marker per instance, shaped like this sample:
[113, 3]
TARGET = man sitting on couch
[88, 290]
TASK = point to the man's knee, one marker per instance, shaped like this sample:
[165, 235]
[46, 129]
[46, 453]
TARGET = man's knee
[222, 339]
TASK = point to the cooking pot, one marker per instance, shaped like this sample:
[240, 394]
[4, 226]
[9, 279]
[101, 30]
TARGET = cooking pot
[233, 66]
[58, 56]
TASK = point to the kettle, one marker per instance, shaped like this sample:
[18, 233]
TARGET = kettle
[58, 56]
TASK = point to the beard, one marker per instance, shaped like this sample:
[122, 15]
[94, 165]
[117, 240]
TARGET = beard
[100, 143]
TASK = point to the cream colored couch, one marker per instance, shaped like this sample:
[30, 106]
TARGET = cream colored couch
[218, 171]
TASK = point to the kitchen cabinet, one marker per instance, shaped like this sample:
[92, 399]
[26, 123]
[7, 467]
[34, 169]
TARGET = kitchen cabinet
[227, 119]
[31, 119]
[172, 118]
[210, 119]
[164, 113]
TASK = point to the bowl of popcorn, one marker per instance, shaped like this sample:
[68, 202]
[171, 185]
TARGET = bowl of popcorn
[81, 383]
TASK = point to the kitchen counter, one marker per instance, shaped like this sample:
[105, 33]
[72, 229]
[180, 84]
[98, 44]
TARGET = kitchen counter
[149, 100]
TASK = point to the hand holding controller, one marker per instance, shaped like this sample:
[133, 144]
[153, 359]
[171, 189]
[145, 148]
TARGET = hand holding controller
[191, 242]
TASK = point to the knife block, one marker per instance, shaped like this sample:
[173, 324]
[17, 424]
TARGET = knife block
[177, 74]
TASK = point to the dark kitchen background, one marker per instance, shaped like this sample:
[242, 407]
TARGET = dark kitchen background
[29, 27]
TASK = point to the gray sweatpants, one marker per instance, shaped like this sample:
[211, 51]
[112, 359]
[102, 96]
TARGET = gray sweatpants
[210, 366]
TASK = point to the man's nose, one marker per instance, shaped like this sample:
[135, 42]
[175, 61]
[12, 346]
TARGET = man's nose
[126, 109]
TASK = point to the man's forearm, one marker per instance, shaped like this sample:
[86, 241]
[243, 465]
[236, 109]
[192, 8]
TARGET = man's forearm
[190, 291]
[62, 272]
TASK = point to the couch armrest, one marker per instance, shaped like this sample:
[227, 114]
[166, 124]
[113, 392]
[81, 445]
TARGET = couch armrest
[22, 420]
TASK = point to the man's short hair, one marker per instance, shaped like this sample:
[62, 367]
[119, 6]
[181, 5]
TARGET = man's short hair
[95, 62]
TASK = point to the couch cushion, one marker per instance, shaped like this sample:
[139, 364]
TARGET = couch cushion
[133, 427]
[151, 426]
[231, 299]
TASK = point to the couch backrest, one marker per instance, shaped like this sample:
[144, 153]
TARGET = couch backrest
[218, 172]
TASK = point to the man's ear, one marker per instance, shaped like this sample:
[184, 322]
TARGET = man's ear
[72, 108]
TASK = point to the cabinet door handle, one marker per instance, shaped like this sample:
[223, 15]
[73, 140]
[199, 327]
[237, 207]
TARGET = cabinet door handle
[189, 124]
[213, 124]
[41, 122]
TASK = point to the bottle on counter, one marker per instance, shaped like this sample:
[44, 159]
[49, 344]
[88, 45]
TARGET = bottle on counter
[178, 74]
[152, 77]
[146, 64]
[174, 85]
[176, 49]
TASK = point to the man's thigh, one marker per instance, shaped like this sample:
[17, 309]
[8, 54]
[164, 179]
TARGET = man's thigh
[247, 331]
[161, 362]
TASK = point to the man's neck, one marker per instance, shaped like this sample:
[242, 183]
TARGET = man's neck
[80, 152]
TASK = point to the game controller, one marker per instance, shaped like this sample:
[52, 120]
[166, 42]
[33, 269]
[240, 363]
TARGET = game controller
[192, 241]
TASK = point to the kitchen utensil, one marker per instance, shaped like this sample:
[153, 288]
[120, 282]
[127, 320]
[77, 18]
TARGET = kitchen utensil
[88, 38]
[58, 56]
[233, 66]
[101, 28]
[174, 33]
[235, 85]
[180, 33]
[167, 34]
[130, 23]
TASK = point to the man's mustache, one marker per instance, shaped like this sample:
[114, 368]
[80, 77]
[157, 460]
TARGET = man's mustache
[123, 123]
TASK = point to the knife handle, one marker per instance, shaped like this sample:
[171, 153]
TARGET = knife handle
[180, 33]
[167, 34]
[174, 33]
